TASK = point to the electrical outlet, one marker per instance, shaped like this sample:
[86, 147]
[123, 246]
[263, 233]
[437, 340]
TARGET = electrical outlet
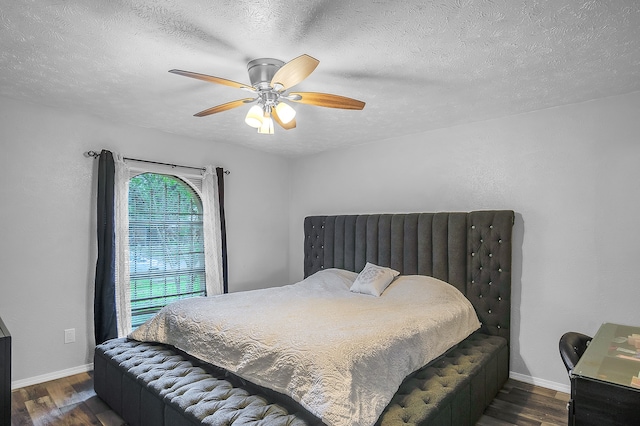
[70, 335]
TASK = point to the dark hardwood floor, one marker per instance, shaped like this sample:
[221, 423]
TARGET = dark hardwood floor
[72, 401]
[520, 403]
[67, 401]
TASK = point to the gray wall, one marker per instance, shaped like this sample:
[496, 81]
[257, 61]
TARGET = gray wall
[572, 174]
[47, 223]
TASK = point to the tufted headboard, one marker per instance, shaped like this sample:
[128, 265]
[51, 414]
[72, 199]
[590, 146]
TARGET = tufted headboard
[471, 251]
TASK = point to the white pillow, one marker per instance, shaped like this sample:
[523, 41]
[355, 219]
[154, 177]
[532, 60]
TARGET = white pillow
[373, 279]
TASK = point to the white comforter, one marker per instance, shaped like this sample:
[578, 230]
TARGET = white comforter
[342, 355]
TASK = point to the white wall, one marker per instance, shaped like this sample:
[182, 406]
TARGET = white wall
[47, 223]
[572, 174]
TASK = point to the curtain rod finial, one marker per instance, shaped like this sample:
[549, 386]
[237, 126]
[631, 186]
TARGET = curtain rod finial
[91, 154]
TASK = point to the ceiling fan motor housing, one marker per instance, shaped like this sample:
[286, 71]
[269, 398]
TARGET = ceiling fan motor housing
[262, 70]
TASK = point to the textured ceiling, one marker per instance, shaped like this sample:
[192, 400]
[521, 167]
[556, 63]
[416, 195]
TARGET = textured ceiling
[418, 64]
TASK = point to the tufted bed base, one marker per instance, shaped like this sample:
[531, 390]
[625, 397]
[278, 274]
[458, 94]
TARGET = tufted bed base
[151, 384]
[154, 384]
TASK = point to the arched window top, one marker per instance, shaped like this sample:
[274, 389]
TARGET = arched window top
[193, 181]
[156, 191]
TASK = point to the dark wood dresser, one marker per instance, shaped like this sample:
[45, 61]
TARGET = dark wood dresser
[5, 375]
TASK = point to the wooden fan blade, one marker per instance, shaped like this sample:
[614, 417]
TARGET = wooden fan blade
[294, 71]
[212, 79]
[287, 126]
[224, 107]
[326, 100]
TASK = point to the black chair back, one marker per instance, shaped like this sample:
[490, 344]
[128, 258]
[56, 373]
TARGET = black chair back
[572, 345]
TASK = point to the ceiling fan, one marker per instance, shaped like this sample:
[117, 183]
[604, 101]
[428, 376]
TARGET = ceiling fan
[270, 79]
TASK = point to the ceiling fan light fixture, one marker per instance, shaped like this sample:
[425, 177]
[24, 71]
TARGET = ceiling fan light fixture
[285, 112]
[267, 126]
[254, 116]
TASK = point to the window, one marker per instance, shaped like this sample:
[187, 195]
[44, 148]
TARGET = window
[166, 243]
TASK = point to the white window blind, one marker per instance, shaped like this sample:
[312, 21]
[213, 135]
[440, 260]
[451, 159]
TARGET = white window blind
[166, 243]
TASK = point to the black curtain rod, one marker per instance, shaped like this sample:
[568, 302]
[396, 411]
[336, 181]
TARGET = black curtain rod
[96, 155]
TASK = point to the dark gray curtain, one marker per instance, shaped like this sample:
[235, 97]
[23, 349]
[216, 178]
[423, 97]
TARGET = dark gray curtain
[104, 305]
[223, 231]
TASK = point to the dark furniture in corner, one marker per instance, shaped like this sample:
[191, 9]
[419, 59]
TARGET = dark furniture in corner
[5, 375]
[605, 383]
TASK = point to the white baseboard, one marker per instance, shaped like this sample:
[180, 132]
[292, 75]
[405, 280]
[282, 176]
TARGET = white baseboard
[51, 376]
[560, 387]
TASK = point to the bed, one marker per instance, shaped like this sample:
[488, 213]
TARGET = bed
[151, 383]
